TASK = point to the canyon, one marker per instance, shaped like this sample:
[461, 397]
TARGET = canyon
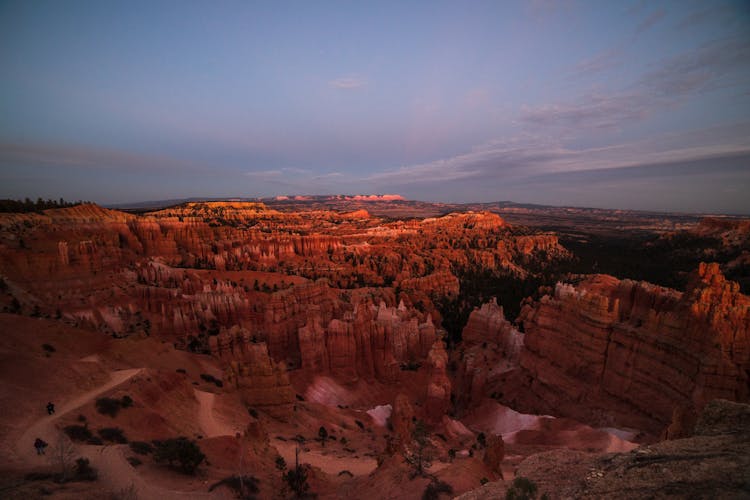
[404, 330]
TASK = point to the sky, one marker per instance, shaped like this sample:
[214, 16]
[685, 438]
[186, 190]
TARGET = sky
[613, 104]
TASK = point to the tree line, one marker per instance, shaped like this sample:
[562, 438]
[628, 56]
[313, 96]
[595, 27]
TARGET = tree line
[28, 205]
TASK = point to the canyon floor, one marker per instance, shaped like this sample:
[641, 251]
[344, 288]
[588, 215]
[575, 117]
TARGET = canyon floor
[395, 349]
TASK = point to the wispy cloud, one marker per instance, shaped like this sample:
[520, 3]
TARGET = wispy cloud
[503, 161]
[348, 82]
[78, 156]
[713, 12]
[329, 176]
[714, 65]
[650, 21]
[598, 111]
[297, 180]
[601, 61]
[281, 175]
[704, 68]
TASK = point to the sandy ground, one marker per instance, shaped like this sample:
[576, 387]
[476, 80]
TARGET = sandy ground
[115, 472]
[212, 426]
[44, 427]
[520, 428]
[326, 461]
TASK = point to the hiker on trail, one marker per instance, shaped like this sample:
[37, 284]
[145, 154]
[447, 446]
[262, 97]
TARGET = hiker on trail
[40, 446]
[50, 408]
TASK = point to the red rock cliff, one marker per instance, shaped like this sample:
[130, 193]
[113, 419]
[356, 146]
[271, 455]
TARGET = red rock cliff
[629, 353]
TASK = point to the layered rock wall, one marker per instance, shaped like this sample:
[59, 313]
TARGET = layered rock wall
[250, 369]
[491, 346]
[629, 353]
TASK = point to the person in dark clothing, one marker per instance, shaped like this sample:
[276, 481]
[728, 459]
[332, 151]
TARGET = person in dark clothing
[50, 408]
[40, 446]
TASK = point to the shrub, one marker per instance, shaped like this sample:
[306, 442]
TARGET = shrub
[280, 462]
[435, 488]
[48, 347]
[296, 480]
[323, 435]
[420, 458]
[141, 447]
[482, 440]
[212, 380]
[181, 370]
[108, 406]
[38, 476]
[411, 366]
[83, 470]
[253, 412]
[242, 487]
[135, 461]
[484, 481]
[360, 424]
[113, 434]
[182, 451]
[95, 440]
[522, 488]
[126, 401]
[78, 432]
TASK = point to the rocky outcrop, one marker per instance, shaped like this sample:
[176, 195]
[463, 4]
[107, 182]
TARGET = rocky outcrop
[682, 424]
[486, 221]
[371, 342]
[438, 397]
[629, 353]
[494, 452]
[711, 464]
[441, 284]
[487, 324]
[528, 245]
[402, 420]
[723, 418]
[490, 347]
[250, 369]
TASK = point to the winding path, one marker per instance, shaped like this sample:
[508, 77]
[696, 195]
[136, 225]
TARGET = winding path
[44, 427]
[115, 472]
[327, 461]
[207, 421]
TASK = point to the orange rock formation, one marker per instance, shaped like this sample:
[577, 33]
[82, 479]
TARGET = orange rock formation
[629, 353]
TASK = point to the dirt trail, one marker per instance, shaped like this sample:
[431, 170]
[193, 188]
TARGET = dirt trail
[206, 419]
[115, 472]
[44, 427]
[328, 463]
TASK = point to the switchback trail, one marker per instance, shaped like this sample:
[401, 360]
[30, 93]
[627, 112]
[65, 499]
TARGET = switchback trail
[115, 473]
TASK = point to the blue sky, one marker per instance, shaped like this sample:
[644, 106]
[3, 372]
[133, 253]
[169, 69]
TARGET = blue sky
[615, 104]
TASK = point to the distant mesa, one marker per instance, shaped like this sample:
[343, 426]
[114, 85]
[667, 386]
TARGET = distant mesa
[377, 197]
[342, 197]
